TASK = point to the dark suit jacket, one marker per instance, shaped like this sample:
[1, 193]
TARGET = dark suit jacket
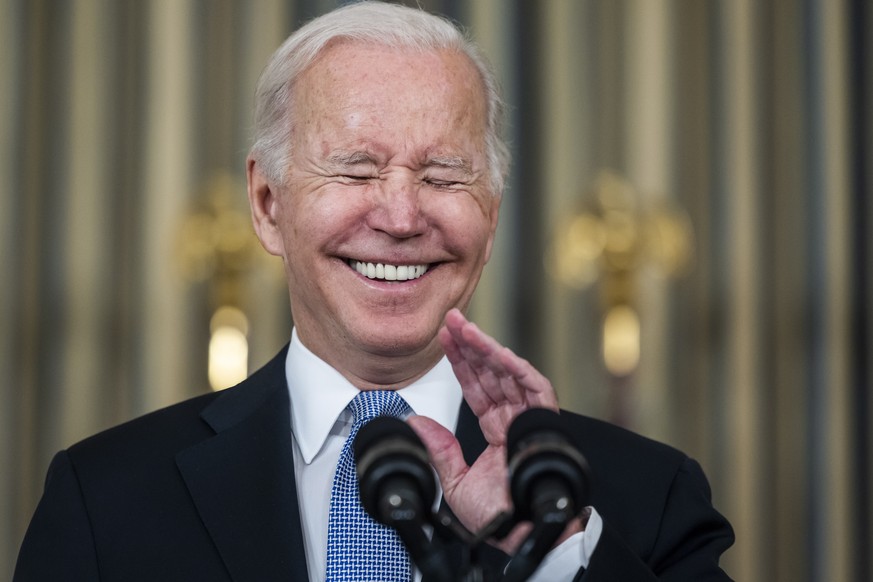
[205, 490]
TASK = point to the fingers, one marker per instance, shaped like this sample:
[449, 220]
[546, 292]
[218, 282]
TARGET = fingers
[479, 363]
[490, 373]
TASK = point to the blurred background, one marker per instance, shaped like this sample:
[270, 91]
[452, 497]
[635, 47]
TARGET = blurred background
[684, 247]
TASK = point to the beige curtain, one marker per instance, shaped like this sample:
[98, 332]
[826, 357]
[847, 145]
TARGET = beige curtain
[119, 120]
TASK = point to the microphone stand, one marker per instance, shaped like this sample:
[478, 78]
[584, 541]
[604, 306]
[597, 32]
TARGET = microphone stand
[550, 517]
[470, 567]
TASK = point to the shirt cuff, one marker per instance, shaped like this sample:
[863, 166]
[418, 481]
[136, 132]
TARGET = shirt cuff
[575, 552]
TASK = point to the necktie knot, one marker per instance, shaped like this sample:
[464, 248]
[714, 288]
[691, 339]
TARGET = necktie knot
[369, 404]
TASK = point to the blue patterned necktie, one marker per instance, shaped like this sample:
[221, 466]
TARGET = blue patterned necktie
[360, 549]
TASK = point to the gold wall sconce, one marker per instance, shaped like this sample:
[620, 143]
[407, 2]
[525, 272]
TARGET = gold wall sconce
[217, 246]
[611, 242]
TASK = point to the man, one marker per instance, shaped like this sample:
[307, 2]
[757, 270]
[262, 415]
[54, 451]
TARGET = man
[376, 176]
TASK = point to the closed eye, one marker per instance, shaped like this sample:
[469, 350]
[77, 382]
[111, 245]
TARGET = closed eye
[356, 178]
[443, 184]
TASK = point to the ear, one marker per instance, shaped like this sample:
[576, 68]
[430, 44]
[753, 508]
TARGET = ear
[495, 214]
[264, 203]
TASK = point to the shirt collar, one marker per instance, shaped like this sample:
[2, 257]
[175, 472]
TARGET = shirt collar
[319, 394]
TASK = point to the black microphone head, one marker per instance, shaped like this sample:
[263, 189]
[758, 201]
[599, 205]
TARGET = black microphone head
[540, 447]
[534, 421]
[390, 458]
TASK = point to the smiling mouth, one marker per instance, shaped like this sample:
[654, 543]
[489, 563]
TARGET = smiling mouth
[386, 272]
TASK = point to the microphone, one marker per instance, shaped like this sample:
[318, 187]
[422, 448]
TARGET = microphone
[398, 488]
[549, 482]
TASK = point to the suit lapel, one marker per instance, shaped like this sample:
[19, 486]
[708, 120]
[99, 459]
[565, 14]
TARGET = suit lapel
[242, 479]
[469, 434]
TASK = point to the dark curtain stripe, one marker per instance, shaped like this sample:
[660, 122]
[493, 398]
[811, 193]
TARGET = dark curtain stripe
[860, 17]
[527, 243]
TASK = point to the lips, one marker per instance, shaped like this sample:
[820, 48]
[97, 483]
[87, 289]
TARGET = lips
[388, 272]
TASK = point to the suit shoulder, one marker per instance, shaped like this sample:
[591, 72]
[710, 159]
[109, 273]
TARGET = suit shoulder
[600, 435]
[172, 426]
[186, 422]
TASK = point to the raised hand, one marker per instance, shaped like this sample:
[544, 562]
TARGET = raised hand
[498, 385]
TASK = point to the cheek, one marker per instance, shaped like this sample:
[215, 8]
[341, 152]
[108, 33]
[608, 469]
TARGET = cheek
[468, 221]
[299, 215]
[316, 221]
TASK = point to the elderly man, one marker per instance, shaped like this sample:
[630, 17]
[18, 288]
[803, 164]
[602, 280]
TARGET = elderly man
[376, 175]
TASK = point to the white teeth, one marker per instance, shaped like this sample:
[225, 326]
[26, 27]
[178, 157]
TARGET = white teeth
[386, 272]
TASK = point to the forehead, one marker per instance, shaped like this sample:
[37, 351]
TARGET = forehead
[362, 58]
[354, 79]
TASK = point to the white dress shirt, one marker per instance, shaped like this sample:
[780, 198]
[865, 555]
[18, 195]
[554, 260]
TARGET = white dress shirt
[320, 425]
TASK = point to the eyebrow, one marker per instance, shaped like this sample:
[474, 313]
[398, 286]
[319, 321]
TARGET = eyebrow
[346, 159]
[451, 163]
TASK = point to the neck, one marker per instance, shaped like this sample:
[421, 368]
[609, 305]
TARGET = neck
[378, 370]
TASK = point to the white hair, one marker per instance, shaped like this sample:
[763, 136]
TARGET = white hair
[379, 23]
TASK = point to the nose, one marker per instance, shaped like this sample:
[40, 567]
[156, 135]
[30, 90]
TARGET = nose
[397, 209]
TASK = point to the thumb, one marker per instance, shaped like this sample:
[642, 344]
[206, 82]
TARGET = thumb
[444, 451]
